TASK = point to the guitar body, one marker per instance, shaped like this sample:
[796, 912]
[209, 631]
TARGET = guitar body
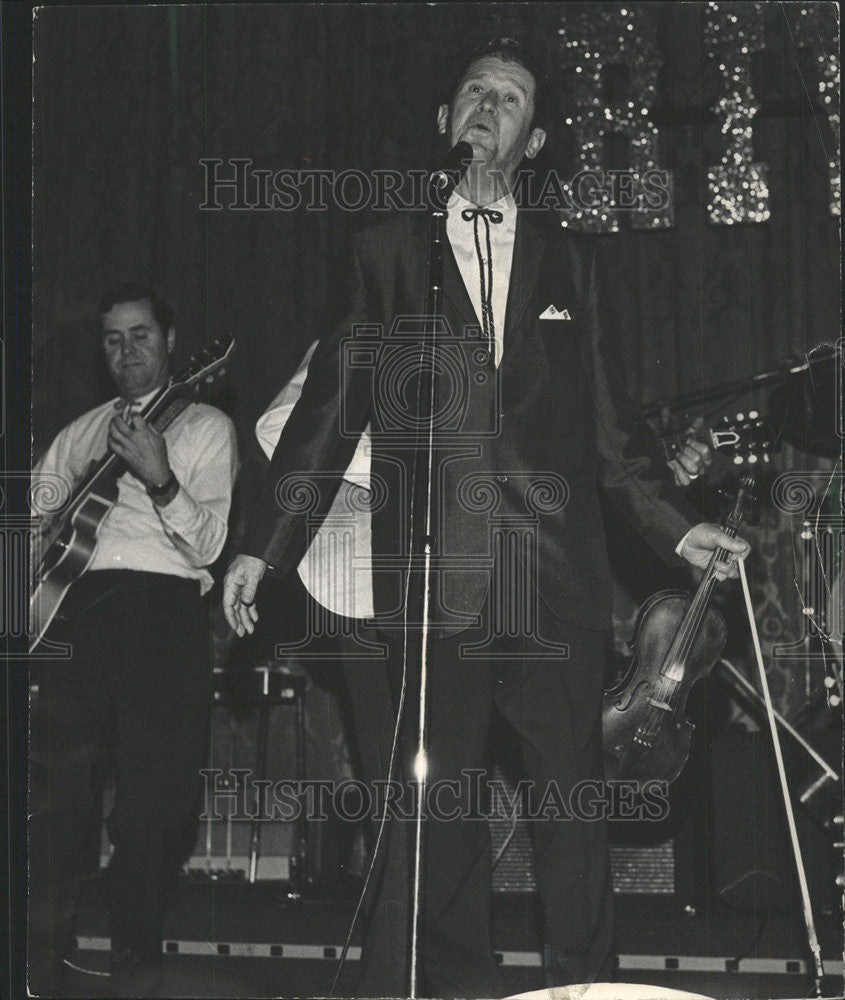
[67, 556]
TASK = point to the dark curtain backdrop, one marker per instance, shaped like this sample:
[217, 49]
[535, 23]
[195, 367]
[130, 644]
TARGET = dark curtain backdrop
[128, 100]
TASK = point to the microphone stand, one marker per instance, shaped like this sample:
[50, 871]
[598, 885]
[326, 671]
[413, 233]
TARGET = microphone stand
[423, 543]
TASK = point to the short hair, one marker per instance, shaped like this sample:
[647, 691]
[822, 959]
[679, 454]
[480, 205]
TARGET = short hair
[509, 50]
[133, 291]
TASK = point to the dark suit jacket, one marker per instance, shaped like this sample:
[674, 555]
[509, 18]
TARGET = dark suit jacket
[519, 451]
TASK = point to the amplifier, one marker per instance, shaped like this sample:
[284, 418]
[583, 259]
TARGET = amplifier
[637, 868]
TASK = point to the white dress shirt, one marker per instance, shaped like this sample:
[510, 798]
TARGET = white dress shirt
[461, 233]
[179, 539]
[336, 570]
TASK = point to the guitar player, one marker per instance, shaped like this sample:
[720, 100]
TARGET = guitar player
[137, 625]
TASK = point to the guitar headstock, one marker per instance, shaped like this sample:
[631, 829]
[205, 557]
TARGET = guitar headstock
[747, 439]
[206, 366]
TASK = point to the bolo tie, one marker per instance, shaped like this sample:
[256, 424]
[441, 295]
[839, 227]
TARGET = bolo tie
[485, 268]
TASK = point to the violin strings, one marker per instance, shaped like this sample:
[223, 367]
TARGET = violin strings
[683, 643]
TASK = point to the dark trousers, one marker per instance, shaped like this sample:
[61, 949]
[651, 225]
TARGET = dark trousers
[554, 705]
[140, 677]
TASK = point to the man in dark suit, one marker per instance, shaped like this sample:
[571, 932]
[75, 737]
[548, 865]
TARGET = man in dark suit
[530, 415]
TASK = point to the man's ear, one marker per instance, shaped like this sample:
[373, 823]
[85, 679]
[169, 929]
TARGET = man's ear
[535, 143]
[171, 340]
[443, 118]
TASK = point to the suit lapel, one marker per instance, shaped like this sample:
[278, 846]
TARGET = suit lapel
[454, 288]
[528, 250]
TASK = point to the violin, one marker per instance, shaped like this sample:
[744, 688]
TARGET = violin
[677, 639]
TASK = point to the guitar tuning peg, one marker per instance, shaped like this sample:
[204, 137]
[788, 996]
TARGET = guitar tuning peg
[740, 416]
[737, 459]
[753, 414]
[752, 458]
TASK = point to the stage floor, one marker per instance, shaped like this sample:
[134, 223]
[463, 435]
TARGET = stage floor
[226, 938]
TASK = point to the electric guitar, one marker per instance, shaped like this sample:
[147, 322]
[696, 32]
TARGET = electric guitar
[747, 439]
[66, 545]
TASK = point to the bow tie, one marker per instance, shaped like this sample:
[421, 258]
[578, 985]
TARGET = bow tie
[491, 214]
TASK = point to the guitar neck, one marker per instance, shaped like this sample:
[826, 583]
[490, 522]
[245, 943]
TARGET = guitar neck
[673, 444]
[747, 439]
[161, 411]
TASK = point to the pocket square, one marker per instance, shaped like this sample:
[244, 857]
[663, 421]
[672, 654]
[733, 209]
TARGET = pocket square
[552, 312]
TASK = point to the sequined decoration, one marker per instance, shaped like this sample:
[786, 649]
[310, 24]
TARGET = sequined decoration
[590, 40]
[738, 188]
[816, 27]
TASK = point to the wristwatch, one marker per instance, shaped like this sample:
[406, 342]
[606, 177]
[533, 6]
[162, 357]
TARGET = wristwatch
[164, 488]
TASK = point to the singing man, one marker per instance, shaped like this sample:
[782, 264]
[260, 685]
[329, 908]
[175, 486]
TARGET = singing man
[530, 419]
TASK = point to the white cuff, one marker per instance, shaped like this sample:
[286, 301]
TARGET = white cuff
[680, 544]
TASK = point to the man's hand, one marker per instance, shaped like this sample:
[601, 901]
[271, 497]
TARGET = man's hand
[142, 447]
[239, 587]
[693, 458]
[703, 539]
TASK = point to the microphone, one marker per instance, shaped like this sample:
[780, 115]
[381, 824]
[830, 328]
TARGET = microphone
[446, 178]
